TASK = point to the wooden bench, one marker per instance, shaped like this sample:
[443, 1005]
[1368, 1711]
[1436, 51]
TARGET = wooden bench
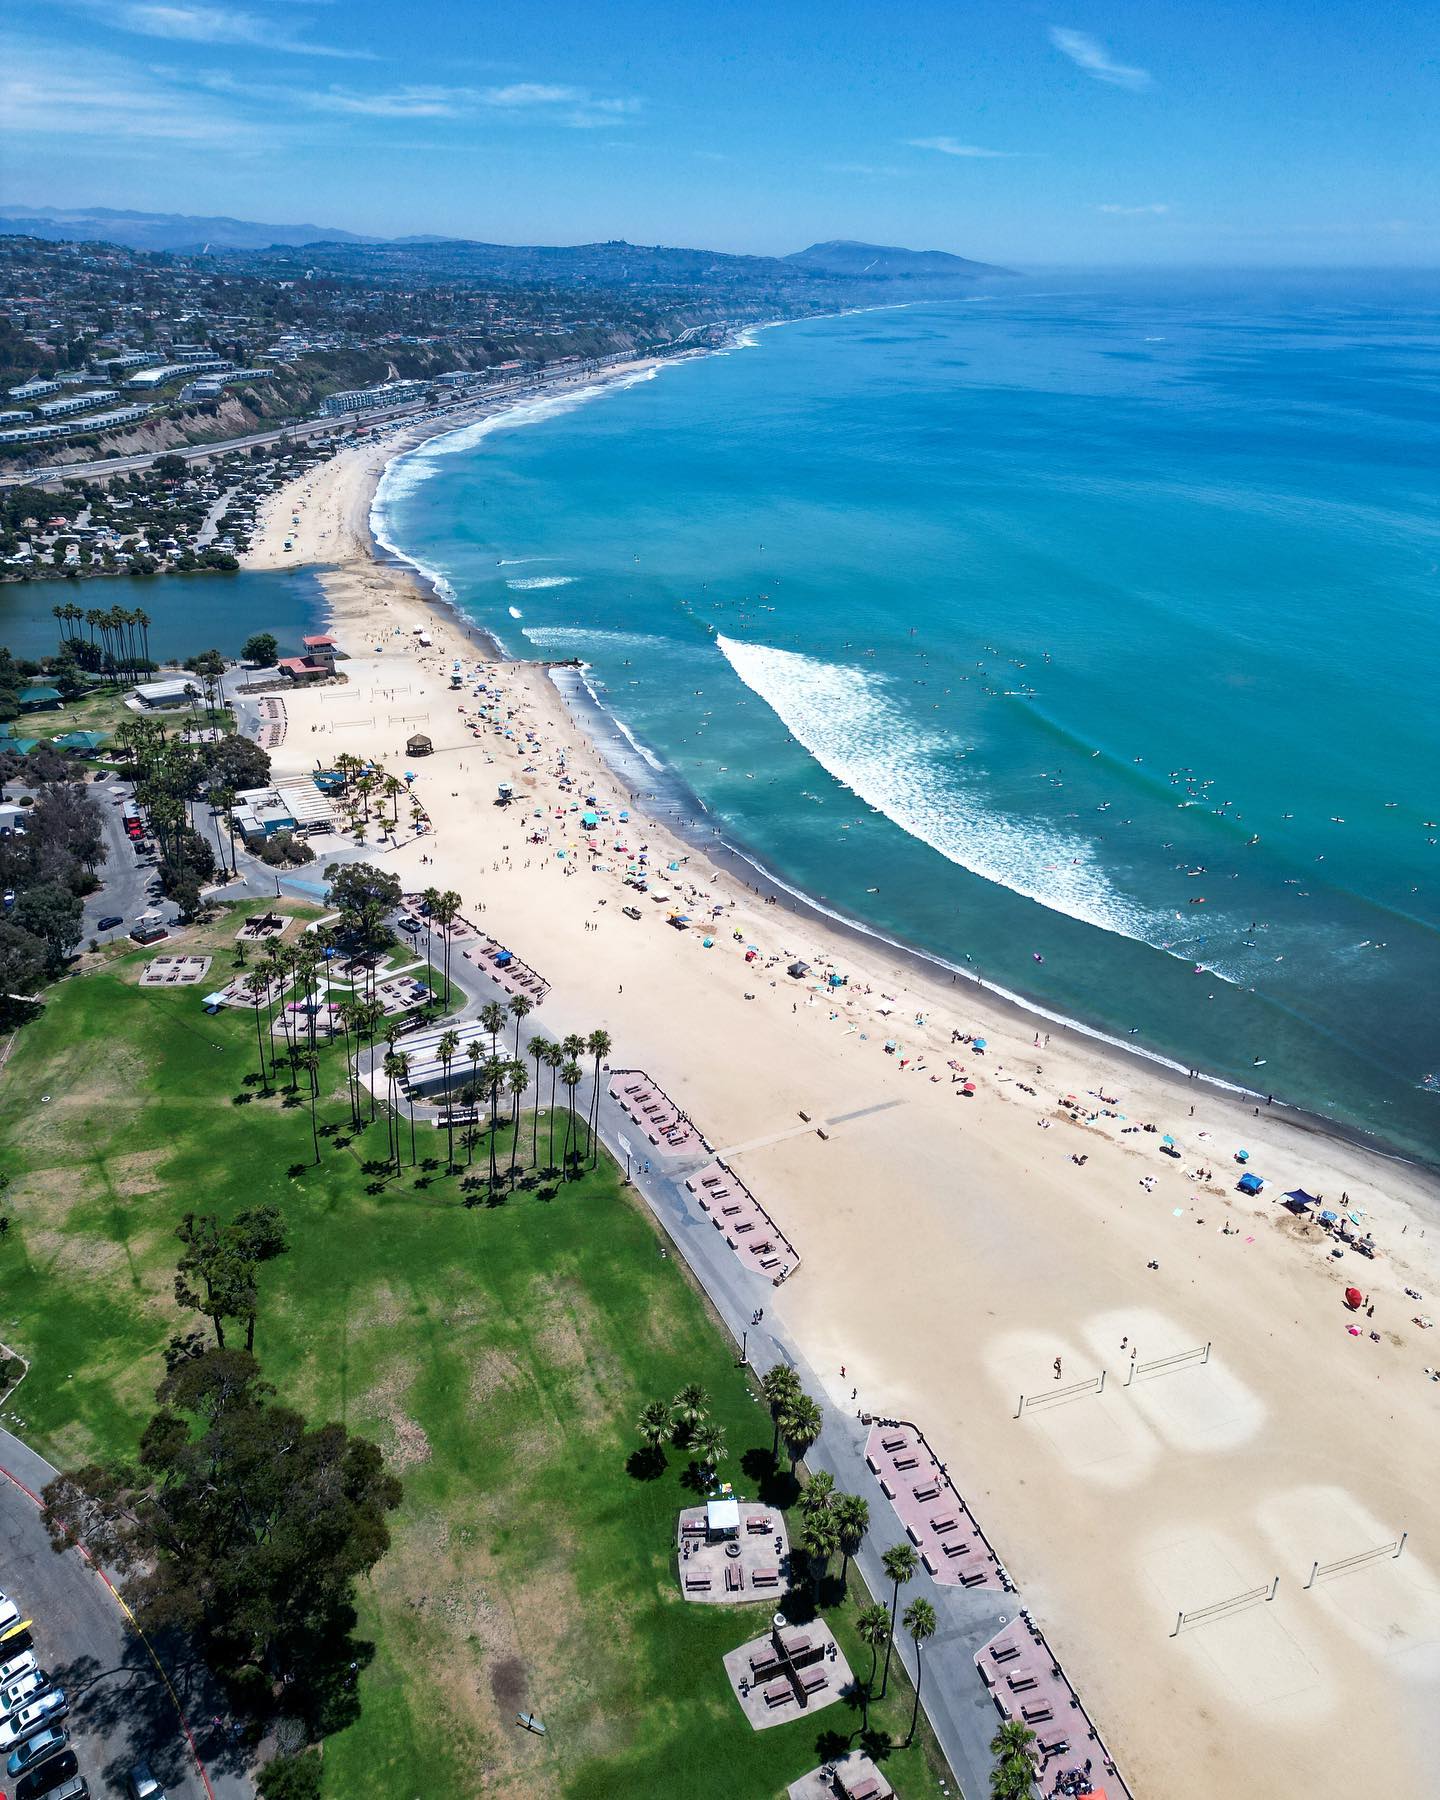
[777, 1693]
[764, 1577]
[972, 1578]
[697, 1581]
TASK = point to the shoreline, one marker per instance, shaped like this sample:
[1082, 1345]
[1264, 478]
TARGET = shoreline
[627, 765]
[951, 1247]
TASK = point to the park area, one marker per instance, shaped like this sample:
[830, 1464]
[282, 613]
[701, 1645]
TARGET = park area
[499, 1349]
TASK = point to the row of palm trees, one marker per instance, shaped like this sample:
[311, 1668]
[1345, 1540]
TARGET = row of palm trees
[834, 1521]
[119, 636]
[365, 781]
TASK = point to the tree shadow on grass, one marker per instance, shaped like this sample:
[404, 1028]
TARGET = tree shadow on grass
[774, 1486]
[646, 1464]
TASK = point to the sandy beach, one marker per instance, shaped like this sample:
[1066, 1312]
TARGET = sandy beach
[955, 1246]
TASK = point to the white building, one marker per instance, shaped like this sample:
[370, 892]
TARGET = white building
[34, 390]
[115, 365]
[167, 693]
[73, 403]
[389, 393]
[147, 379]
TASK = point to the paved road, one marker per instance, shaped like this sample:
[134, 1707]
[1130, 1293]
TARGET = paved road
[124, 879]
[121, 1706]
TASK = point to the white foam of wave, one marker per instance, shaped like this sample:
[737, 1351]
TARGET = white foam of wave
[848, 722]
[523, 582]
[588, 637]
[403, 474]
[515, 612]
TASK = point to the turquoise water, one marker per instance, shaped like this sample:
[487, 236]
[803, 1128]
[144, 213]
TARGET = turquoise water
[1093, 627]
[188, 613]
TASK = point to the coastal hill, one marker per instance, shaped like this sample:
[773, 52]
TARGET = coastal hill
[611, 263]
[880, 262]
[159, 231]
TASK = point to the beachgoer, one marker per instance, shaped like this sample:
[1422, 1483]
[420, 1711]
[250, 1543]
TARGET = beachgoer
[1057, 1368]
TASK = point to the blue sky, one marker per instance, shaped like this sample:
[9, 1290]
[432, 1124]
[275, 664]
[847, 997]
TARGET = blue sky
[1021, 131]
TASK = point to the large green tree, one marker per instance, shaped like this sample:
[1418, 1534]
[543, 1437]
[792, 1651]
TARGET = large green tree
[240, 1525]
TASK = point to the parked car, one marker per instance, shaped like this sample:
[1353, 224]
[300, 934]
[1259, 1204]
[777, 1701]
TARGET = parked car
[142, 1785]
[16, 1667]
[9, 1612]
[409, 924]
[17, 1693]
[57, 1779]
[631, 912]
[110, 921]
[37, 1749]
[29, 1719]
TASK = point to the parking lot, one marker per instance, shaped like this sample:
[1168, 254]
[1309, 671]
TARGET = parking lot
[120, 1708]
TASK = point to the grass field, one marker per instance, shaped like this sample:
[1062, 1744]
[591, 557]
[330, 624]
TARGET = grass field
[499, 1354]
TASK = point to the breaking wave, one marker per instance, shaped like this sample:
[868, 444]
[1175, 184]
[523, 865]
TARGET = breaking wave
[849, 723]
[541, 581]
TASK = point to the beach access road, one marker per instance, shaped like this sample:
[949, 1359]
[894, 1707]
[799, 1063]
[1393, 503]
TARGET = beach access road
[122, 1707]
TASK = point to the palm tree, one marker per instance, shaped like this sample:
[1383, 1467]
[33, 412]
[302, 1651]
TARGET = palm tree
[570, 1076]
[1014, 1772]
[445, 1051]
[395, 1067]
[554, 1060]
[257, 986]
[780, 1386]
[690, 1407]
[851, 1513]
[708, 1443]
[520, 1007]
[475, 1050]
[429, 900]
[817, 1493]
[598, 1044]
[800, 1424]
[819, 1539]
[445, 911]
[310, 1062]
[402, 1075]
[655, 1423]
[494, 1069]
[492, 1017]
[921, 1623]
[538, 1047]
[872, 1627]
[517, 1079]
[900, 1562]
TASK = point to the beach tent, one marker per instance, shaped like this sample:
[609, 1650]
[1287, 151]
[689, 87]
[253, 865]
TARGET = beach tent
[1299, 1198]
[1250, 1184]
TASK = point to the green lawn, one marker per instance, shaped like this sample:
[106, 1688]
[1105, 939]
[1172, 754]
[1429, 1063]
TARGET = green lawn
[499, 1354]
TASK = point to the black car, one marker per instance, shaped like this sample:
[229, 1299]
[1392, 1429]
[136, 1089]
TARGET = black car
[59, 1779]
[110, 921]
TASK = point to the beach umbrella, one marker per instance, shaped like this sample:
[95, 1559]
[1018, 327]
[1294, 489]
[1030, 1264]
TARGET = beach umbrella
[980, 1043]
[1354, 1299]
[1167, 1139]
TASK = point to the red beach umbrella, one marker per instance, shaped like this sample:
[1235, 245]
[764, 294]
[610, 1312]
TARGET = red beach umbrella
[1354, 1299]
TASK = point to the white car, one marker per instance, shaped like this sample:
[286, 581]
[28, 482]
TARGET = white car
[24, 1688]
[16, 1667]
[9, 1612]
[49, 1709]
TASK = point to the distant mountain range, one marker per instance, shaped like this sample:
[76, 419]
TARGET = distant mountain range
[185, 232]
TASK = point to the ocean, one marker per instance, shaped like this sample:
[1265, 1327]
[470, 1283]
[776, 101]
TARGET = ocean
[1080, 633]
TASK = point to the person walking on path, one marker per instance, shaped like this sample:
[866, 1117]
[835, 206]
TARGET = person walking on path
[1057, 1368]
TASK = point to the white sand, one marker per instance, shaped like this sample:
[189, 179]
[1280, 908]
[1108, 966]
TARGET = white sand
[952, 1249]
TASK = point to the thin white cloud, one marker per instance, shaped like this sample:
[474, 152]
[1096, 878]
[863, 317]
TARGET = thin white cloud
[1089, 54]
[855, 168]
[187, 23]
[91, 96]
[542, 102]
[1154, 207]
[949, 146]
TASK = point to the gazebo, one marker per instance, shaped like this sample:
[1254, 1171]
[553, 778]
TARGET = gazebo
[419, 745]
[722, 1519]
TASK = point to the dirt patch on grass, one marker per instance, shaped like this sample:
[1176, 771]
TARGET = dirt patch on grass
[569, 1336]
[137, 1174]
[402, 1439]
[491, 1373]
[73, 1253]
